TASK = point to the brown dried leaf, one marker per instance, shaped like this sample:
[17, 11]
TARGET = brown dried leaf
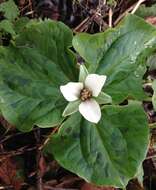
[134, 184]
[88, 186]
[68, 181]
[8, 174]
[22, 2]
[6, 124]
[151, 20]
[42, 166]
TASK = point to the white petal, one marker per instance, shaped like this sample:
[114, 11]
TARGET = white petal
[71, 91]
[90, 110]
[95, 83]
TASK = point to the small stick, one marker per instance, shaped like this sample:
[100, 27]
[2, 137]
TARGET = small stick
[48, 138]
[152, 125]
[31, 8]
[38, 157]
[110, 17]
[104, 2]
[137, 6]
[24, 8]
[82, 25]
[150, 157]
[123, 14]
[5, 155]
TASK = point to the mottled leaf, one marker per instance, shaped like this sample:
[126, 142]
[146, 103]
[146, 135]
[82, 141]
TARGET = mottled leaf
[120, 54]
[31, 73]
[108, 153]
[51, 39]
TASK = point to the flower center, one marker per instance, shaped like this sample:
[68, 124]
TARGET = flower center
[85, 94]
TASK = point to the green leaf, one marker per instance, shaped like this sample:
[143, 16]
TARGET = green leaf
[20, 23]
[51, 39]
[7, 26]
[119, 53]
[71, 108]
[10, 10]
[83, 73]
[108, 153]
[28, 94]
[31, 74]
[104, 98]
[140, 175]
[145, 12]
[13, 28]
[151, 62]
[112, 3]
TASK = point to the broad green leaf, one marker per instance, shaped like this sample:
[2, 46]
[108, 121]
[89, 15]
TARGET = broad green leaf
[104, 98]
[28, 89]
[7, 26]
[51, 39]
[130, 87]
[71, 108]
[109, 153]
[10, 10]
[119, 53]
[144, 11]
[30, 76]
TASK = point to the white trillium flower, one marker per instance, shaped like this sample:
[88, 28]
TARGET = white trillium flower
[82, 96]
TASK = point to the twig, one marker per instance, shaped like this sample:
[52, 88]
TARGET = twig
[5, 138]
[31, 8]
[48, 138]
[5, 155]
[2, 140]
[124, 13]
[94, 16]
[24, 8]
[55, 188]
[6, 187]
[82, 26]
[137, 6]
[29, 13]
[38, 157]
[110, 17]
[152, 125]
[150, 157]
